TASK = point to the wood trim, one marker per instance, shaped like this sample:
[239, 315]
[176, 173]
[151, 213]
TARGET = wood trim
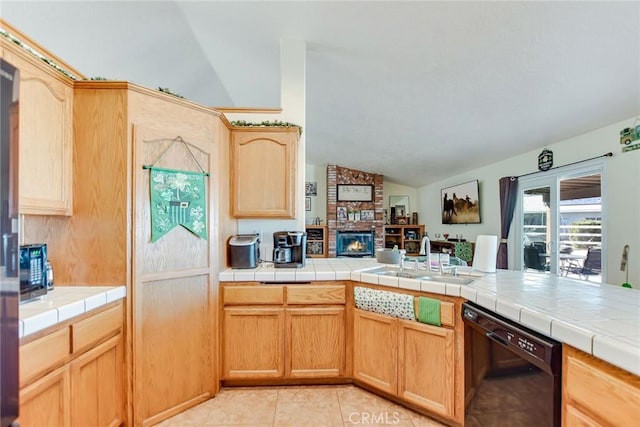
[249, 110]
[125, 85]
[177, 274]
[39, 48]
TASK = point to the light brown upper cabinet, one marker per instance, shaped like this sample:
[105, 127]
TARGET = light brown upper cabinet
[263, 172]
[46, 135]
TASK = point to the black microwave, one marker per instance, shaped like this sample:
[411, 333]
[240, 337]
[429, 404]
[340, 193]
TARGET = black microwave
[33, 271]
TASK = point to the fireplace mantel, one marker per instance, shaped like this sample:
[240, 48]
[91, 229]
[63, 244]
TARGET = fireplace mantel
[337, 175]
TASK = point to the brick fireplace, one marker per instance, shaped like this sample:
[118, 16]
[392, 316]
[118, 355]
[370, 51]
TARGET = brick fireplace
[338, 175]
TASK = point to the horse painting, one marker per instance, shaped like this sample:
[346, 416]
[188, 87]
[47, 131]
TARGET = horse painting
[448, 209]
[463, 206]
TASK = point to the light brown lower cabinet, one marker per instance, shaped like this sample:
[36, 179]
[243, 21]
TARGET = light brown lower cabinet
[97, 387]
[269, 336]
[596, 393]
[315, 342]
[375, 350]
[45, 402]
[426, 368]
[407, 359]
[253, 343]
[267, 342]
[82, 388]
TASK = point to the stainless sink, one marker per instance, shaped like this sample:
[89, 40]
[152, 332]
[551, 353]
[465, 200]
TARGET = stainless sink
[454, 280]
[405, 274]
[425, 275]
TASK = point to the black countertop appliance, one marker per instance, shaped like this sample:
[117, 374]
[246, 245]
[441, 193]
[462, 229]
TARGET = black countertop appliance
[243, 251]
[33, 271]
[289, 249]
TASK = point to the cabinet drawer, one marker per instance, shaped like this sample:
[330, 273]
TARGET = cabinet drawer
[315, 294]
[94, 329]
[43, 354]
[259, 294]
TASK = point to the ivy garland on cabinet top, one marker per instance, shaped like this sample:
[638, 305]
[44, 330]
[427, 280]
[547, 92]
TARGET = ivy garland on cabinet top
[266, 123]
[32, 51]
[60, 69]
[37, 54]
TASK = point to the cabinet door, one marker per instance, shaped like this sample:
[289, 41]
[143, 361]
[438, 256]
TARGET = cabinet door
[253, 343]
[45, 403]
[45, 123]
[596, 393]
[375, 350]
[263, 173]
[426, 375]
[315, 342]
[97, 386]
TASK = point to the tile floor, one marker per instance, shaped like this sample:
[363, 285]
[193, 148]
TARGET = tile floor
[300, 406]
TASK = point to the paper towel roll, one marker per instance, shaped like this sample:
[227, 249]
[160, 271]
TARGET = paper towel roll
[484, 256]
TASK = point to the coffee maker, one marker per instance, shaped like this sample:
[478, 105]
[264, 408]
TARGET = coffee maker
[289, 249]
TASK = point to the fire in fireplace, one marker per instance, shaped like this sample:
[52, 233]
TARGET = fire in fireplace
[354, 243]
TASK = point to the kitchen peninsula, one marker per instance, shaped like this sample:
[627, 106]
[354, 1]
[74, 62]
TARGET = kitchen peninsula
[594, 320]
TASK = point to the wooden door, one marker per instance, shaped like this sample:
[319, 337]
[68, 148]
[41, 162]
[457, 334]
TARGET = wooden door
[174, 284]
[97, 386]
[315, 338]
[375, 350]
[427, 367]
[45, 403]
[253, 343]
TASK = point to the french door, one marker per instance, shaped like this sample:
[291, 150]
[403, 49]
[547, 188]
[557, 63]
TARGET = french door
[559, 219]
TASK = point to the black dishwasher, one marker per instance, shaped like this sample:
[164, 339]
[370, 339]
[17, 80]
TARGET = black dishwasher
[513, 374]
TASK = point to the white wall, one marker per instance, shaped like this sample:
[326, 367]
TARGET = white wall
[317, 174]
[292, 89]
[621, 187]
[393, 189]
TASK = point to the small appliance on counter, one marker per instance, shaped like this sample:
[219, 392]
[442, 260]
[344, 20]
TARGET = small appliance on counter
[243, 251]
[49, 270]
[33, 271]
[289, 249]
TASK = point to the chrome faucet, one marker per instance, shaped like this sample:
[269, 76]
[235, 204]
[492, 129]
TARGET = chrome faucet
[414, 260]
[453, 269]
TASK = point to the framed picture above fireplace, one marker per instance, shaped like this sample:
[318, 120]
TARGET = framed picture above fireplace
[355, 193]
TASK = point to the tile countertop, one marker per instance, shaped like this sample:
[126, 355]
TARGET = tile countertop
[603, 320]
[63, 303]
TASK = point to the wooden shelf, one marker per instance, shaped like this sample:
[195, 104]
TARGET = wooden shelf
[407, 237]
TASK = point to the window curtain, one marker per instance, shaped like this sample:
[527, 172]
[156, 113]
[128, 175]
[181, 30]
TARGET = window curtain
[508, 197]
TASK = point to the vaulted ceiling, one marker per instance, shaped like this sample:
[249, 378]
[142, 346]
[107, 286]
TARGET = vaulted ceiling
[416, 91]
